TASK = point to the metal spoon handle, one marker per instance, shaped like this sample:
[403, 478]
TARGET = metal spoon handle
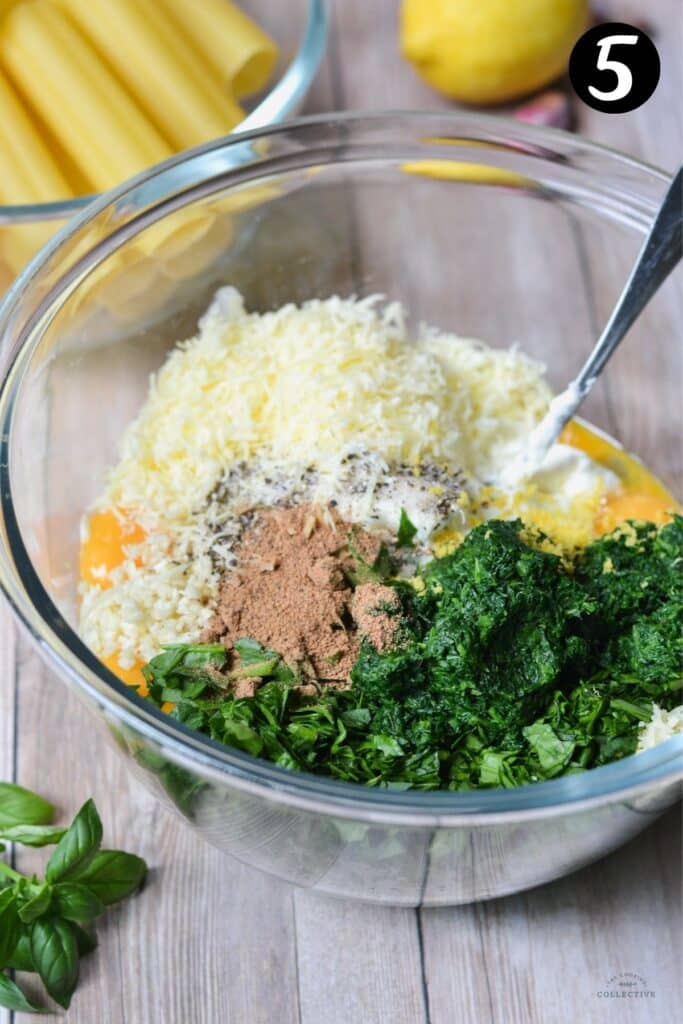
[661, 251]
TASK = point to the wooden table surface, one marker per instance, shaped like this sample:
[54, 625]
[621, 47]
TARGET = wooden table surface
[211, 940]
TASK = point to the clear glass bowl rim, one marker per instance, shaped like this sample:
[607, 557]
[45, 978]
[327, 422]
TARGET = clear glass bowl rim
[65, 652]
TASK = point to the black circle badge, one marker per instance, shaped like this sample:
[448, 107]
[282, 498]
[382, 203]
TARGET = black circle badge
[614, 67]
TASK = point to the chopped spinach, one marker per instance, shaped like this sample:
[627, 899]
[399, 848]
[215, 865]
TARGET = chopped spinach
[510, 667]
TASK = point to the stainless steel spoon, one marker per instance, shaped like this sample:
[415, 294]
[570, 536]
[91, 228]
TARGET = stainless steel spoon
[661, 251]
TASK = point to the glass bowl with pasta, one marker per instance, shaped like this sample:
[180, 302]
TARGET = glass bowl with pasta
[125, 85]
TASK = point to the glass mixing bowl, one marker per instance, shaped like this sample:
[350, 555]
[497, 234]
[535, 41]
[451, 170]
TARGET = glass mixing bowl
[479, 224]
[301, 40]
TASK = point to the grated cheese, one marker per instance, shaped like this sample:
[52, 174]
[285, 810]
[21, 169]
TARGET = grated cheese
[162, 593]
[662, 726]
[311, 380]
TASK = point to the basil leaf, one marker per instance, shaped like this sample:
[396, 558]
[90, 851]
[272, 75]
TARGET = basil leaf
[406, 531]
[496, 768]
[85, 942]
[10, 925]
[260, 662]
[6, 897]
[55, 955]
[37, 905]
[243, 737]
[76, 902]
[112, 875]
[78, 845]
[33, 835]
[188, 657]
[19, 806]
[251, 652]
[12, 998]
[553, 753]
[21, 959]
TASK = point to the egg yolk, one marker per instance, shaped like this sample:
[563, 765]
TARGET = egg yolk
[130, 676]
[133, 677]
[641, 496]
[618, 507]
[109, 534]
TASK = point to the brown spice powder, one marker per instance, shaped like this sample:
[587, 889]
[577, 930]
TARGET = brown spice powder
[374, 607]
[290, 591]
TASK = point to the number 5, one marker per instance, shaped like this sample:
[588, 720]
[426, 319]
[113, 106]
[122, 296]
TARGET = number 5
[622, 71]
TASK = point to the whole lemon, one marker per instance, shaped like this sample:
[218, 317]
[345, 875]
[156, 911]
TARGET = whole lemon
[490, 51]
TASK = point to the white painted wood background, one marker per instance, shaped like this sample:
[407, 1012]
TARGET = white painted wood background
[211, 940]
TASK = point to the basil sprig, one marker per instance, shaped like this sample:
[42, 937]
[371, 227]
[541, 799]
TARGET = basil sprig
[42, 922]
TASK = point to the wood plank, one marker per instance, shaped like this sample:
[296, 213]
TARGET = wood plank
[653, 132]
[357, 962]
[541, 957]
[456, 967]
[235, 928]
